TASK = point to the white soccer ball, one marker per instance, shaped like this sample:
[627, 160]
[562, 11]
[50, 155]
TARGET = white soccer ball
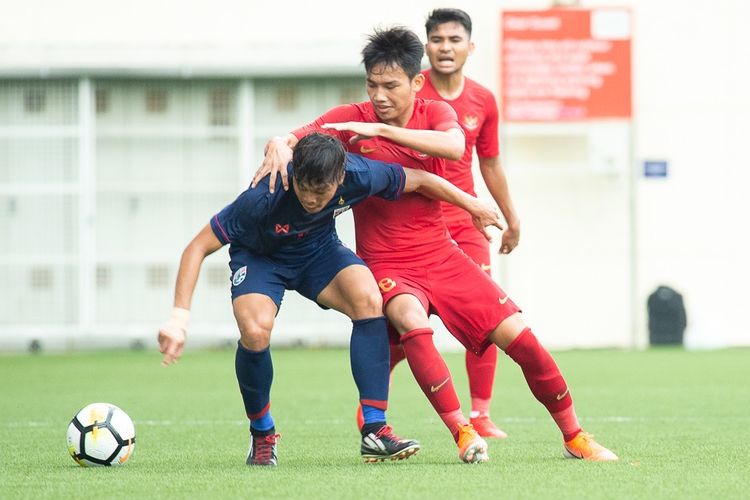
[101, 434]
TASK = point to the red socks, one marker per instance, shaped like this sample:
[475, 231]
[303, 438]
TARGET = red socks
[397, 355]
[481, 370]
[567, 421]
[539, 368]
[545, 380]
[432, 375]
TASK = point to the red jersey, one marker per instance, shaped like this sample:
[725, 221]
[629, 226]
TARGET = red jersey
[478, 116]
[409, 230]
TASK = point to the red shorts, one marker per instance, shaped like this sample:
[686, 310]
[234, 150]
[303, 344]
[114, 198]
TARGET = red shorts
[473, 243]
[465, 298]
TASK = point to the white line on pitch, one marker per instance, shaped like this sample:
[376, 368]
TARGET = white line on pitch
[200, 423]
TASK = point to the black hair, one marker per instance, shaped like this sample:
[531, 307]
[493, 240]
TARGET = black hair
[396, 47]
[442, 16]
[318, 160]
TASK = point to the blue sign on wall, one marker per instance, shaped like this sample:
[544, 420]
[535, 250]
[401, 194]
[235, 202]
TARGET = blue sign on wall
[655, 168]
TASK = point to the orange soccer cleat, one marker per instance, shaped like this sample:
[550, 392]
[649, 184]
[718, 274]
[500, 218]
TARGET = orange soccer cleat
[472, 449]
[584, 447]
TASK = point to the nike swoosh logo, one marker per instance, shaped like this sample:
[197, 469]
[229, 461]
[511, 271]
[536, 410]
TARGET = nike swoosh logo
[560, 396]
[503, 300]
[486, 267]
[365, 150]
[435, 388]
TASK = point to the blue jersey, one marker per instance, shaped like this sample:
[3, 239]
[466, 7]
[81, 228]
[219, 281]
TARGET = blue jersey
[275, 224]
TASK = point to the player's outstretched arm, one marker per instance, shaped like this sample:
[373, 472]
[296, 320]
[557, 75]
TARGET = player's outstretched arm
[276, 156]
[448, 144]
[435, 187]
[497, 184]
[172, 333]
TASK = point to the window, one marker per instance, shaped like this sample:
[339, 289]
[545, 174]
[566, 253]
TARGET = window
[286, 98]
[221, 109]
[41, 278]
[217, 276]
[156, 100]
[351, 93]
[101, 98]
[157, 276]
[34, 100]
[103, 276]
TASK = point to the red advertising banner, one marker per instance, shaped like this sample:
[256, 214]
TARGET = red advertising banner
[565, 64]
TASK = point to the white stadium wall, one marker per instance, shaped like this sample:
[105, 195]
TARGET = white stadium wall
[89, 197]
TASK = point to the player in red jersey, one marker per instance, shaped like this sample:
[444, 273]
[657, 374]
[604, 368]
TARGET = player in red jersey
[418, 267]
[448, 46]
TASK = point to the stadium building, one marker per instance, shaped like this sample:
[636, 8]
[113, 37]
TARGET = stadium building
[124, 128]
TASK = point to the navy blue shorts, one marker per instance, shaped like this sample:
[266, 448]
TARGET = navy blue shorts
[269, 276]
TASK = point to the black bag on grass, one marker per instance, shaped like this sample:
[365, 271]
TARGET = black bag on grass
[667, 318]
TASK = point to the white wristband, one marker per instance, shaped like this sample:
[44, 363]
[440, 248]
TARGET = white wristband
[179, 318]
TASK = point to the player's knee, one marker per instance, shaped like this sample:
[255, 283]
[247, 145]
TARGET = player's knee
[507, 331]
[254, 336]
[408, 320]
[368, 304]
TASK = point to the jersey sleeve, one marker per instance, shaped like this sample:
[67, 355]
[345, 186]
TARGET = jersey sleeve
[384, 180]
[222, 223]
[233, 220]
[442, 116]
[487, 144]
[338, 114]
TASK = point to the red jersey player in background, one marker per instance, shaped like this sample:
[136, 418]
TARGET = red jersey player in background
[448, 46]
[419, 268]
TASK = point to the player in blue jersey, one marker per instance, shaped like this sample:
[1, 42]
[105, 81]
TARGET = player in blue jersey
[286, 240]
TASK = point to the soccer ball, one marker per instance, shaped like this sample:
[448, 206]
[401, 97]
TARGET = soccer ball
[101, 434]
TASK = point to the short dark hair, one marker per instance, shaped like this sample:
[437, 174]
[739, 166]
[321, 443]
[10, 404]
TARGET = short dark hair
[318, 160]
[394, 47]
[442, 16]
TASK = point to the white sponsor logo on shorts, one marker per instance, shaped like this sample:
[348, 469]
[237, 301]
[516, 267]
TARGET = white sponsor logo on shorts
[239, 276]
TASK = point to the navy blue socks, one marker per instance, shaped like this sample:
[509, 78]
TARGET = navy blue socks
[254, 371]
[370, 358]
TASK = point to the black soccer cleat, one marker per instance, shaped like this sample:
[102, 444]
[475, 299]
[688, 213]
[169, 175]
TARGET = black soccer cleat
[263, 450]
[385, 445]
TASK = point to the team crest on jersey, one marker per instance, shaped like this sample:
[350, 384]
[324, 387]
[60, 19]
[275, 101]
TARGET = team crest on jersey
[471, 122]
[282, 228]
[341, 210]
[239, 276]
[341, 200]
[386, 284]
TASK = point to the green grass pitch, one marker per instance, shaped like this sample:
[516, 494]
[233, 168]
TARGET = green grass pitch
[678, 420]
